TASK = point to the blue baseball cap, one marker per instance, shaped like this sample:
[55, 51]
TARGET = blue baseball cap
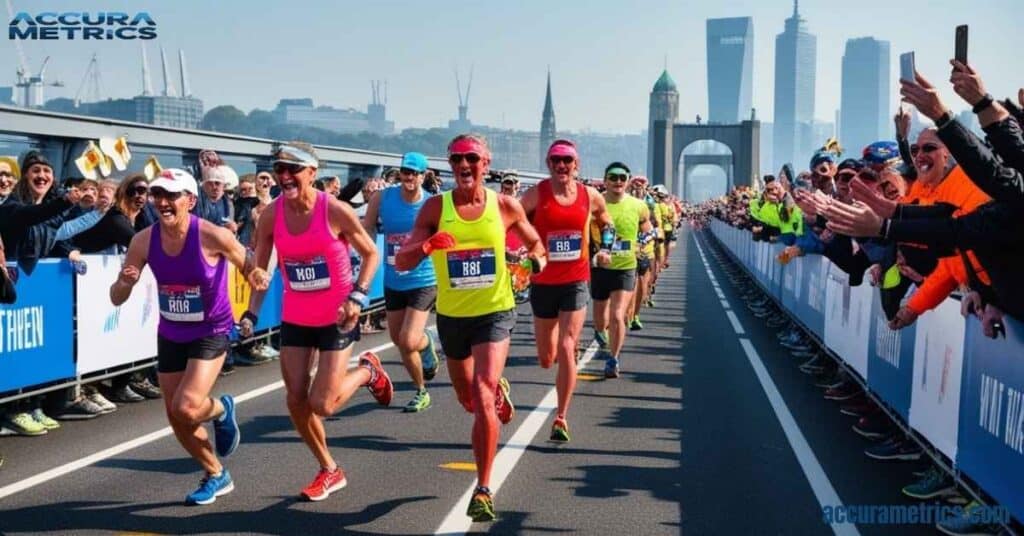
[882, 153]
[822, 156]
[415, 161]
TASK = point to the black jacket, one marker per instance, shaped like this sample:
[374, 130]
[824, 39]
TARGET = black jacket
[1008, 142]
[986, 171]
[112, 229]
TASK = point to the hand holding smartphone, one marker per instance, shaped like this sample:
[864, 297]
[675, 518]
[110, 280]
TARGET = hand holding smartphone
[960, 54]
[907, 68]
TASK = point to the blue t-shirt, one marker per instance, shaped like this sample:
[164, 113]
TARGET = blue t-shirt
[397, 218]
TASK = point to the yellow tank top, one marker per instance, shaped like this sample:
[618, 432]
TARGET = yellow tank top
[472, 279]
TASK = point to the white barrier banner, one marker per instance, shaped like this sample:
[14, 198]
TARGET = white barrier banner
[848, 319]
[109, 336]
[938, 365]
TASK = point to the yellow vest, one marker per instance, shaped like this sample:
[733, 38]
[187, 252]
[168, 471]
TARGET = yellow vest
[472, 279]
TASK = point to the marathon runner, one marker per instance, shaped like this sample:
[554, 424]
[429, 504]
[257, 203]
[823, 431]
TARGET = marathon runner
[560, 208]
[408, 296]
[311, 231]
[612, 287]
[644, 258]
[463, 231]
[188, 257]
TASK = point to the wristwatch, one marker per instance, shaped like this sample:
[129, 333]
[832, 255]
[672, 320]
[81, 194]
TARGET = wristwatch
[985, 102]
[944, 119]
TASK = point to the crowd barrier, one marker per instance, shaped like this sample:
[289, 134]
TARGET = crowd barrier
[63, 326]
[954, 387]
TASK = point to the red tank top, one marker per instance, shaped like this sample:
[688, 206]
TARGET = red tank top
[563, 229]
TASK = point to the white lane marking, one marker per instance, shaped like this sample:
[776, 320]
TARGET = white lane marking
[815, 474]
[86, 461]
[456, 522]
[725, 304]
[735, 322]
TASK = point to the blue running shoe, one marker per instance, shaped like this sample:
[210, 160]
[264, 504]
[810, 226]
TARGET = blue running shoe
[211, 487]
[611, 368]
[225, 428]
[429, 357]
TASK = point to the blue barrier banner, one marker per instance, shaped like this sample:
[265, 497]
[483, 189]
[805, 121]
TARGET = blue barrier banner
[36, 331]
[776, 270]
[891, 361]
[848, 319]
[991, 438]
[810, 294]
[270, 310]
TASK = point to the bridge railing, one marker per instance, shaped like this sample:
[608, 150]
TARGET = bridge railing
[957, 391]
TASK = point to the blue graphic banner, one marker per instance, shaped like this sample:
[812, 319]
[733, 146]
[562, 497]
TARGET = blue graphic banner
[890, 361]
[36, 331]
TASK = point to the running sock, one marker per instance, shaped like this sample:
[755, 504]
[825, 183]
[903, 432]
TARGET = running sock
[223, 411]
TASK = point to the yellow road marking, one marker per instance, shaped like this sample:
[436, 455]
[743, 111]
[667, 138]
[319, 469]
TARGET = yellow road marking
[459, 466]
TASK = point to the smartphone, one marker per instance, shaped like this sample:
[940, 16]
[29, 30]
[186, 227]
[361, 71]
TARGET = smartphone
[907, 67]
[961, 44]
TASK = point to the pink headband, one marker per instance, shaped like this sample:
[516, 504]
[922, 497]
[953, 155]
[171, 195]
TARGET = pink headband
[468, 145]
[562, 149]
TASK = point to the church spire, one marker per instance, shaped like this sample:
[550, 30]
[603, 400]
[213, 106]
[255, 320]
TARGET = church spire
[547, 125]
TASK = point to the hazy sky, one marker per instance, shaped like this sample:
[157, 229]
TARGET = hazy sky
[604, 55]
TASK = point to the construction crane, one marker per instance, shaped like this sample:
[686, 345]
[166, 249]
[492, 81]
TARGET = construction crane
[92, 77]
[31, 86]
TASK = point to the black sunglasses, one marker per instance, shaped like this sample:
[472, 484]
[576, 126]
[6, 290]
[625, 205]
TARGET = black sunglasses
[926, 148]
[456, 158]
[561, 159]
[616, 178]
[281, 167]
[160, 193]
[407, 171]
[138, 190]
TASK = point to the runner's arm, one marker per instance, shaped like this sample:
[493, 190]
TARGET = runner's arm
[515, 219]
[345, 217]
[372, 215]
[131, 270]
[426, 225]
[223, 241]
[598, 208]
[264, 237]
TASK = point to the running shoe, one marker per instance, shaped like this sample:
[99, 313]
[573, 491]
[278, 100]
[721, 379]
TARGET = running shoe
[934, 483]
[419, 402]
[126, 395]
[898, 448]
[146, 389]
[80, 409]
[44, 419]
[845, 391]
[325, 483]
[970, 522]
[225, 428]
[227, 369]
[873, 426]
[105, 405]
[430, 361]
[602, 339]
[211, 487]
[636, 325]
[859, 408]
[23, 424]
[560, 430]
[503, 402]
[481, 506]
[611, 368]
[380, 383]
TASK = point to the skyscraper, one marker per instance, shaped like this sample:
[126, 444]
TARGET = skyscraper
[547, 127]
[864, 103]
[730, 68]
[663, 107]
[795, 56]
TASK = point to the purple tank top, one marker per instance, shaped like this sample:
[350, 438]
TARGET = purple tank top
[193, 295]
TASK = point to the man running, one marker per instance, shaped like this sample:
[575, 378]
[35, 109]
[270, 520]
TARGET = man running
[189, 257]
[612, 287]
[463, 231]
[560, 208]
[409, 295]
[311, 232]
[644, 258]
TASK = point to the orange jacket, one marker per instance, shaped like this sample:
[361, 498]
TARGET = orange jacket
[958, 190]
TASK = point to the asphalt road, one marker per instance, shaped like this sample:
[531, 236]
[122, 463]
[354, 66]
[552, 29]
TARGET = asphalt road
[685, 441]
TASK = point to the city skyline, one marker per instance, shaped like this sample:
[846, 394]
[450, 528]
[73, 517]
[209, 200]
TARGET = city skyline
[864, 112]
[338, 50]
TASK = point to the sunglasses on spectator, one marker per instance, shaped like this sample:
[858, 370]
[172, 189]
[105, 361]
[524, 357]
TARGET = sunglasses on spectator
[926, 148]
[845, 176]
[281, 167]
[457, 158]
[561, 159]
[160, 193]
[137, 190]
[616, 178]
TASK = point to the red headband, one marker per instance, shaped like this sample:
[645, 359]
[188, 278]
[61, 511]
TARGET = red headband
[468, 145]
[562, 149]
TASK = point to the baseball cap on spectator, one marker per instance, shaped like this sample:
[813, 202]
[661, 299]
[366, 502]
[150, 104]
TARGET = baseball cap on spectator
[882, 153]
[32, 158]
[822, 156]
[510, 178]
[660, 189]
[850, 163]
[415, 161]
[175, 180]
[223, 174]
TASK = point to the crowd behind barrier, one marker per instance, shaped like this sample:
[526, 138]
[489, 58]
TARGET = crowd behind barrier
[953, 387]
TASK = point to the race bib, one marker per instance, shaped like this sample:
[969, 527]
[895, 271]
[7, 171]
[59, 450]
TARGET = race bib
[306, 276]
[181, 303]
[622, 248]
[471, 268]
[393, 243]
[565, 245]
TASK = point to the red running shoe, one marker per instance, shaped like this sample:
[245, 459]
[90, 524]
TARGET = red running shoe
[324, 484]
[503, 402]
[380, 383]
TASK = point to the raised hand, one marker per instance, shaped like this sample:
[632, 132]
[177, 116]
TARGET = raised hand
[923, 96]
[860, 191]
[967, 83]
[440, 240]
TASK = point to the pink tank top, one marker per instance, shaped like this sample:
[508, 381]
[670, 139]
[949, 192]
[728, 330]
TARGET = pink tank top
[314, 266]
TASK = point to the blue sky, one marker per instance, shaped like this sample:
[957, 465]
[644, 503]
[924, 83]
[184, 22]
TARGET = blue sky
[604, 55]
